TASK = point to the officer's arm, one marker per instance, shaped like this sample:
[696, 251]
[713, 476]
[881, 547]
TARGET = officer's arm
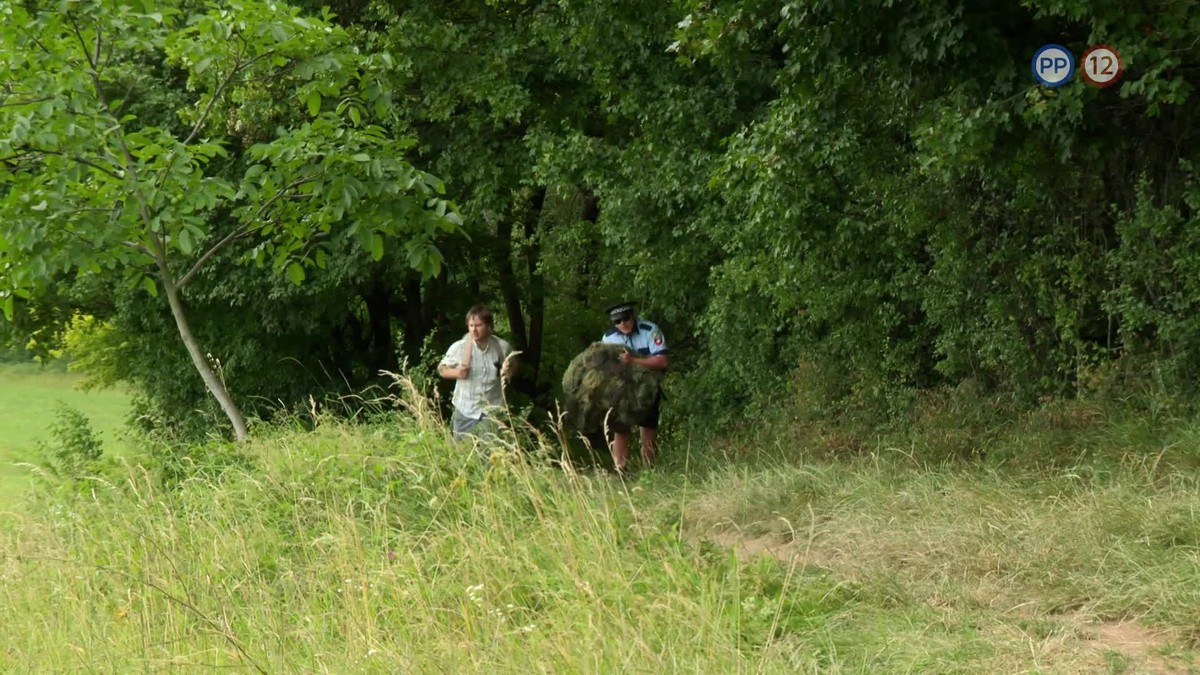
[656, 362]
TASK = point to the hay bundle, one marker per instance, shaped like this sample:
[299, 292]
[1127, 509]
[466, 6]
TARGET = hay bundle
[596, 381]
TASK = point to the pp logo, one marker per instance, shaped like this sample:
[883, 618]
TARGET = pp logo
[1053, 65]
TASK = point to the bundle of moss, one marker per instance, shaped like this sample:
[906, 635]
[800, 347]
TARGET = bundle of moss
[596, 382]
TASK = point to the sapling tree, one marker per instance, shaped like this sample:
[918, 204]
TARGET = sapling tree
[92, 182]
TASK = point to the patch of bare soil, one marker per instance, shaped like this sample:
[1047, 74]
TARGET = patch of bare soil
[787, 550]
[1086, 644]
[1140, 649]
[793, 552]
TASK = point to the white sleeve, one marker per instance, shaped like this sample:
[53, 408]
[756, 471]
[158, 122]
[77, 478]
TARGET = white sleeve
[453, 355]
[658, 342]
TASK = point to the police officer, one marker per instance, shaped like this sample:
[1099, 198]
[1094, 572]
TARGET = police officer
[647, 348]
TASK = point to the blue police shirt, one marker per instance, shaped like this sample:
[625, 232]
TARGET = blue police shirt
[647, 340]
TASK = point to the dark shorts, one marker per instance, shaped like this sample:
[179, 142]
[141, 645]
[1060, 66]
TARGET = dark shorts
[650, 421]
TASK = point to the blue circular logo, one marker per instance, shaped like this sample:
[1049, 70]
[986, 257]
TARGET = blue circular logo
[1053, 65]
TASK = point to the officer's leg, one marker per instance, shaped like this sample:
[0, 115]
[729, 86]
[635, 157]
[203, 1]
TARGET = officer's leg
[650, 433]
[620, 450]
[649, 454]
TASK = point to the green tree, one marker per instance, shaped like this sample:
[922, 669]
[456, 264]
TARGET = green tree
[92, 188]
[914, 209]
[580, 147]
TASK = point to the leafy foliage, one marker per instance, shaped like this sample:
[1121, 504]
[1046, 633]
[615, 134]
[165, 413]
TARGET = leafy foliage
[91, 188]
[914, 207]
[876, 192]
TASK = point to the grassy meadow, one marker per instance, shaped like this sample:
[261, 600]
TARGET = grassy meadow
[29, 395]
[385, 547]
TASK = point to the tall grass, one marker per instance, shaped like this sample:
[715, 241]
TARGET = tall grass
[381, 549]
[388, 547]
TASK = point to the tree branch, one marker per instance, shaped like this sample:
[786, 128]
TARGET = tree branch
[237, 66]
[6, 104]
[37, 42]
[282, 72]
[283, 192]
[124, 100]
[140, 248]
[90, 210]
[87, 162]
[158, 252]
[102, 169]
[242, 231]
[83, 45]
[96, 49]
[229, 238]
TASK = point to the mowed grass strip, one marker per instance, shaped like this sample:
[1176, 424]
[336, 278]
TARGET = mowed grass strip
[1091, 568]
[29, 395]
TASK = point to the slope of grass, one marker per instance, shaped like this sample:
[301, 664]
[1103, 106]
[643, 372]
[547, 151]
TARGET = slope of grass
[28, 397]
[389, 548]
[377, 551]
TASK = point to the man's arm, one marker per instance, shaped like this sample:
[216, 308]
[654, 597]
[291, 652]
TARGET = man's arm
[451, 366]
[454, 372]
[656, 362]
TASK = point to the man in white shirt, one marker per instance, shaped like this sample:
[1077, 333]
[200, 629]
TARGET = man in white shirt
[479, 364]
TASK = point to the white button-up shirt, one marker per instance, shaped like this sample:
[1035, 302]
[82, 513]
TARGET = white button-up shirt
[482, 388]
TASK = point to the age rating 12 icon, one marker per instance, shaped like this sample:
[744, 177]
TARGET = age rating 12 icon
[1053, 65]
[1102, 66]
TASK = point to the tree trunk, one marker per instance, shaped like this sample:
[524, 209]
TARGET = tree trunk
[508, 283]
[437, 294]
[214, 384]
[537, 284]
[381, 355]
[588, 265]
[414, 323]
